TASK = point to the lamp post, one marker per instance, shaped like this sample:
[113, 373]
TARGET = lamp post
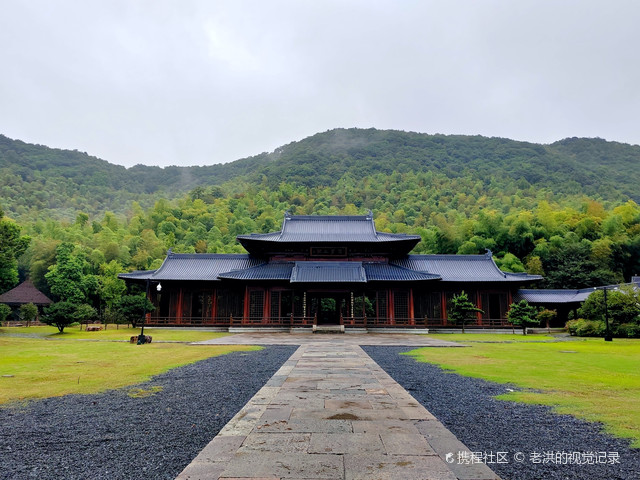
[608, 337]
[607, 333]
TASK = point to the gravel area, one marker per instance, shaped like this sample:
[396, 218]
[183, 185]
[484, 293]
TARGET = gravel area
[466, 407]
[114, 435]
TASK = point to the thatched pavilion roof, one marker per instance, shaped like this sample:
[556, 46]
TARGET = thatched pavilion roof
[26, 292]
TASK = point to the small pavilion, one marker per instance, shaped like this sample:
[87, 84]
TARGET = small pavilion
[23, 294]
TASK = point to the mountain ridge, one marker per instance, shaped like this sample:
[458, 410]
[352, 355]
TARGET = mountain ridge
[591, 166]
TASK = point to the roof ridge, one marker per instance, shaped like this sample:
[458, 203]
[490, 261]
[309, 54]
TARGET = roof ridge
[287, 216]
[461, 256]
[553, 290]
[322, 217]
[373, 223]
[212, 254]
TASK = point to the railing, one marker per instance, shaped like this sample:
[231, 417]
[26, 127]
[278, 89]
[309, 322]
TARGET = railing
[302, 321]
[474, 324]
[405, 322]
[230, 321]
[379, 322]
[356, 322]
[273, 321]
[188, 321]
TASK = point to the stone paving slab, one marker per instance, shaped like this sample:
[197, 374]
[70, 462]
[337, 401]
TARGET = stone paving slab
[396, 467]
[277, 442]
[331, 412]
[281, 338]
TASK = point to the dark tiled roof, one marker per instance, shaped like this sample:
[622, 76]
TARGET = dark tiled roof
[137, 275]
[267, 271]
[328, 272]
[385, 272]
[553, 296]
[196, 266]
[211, 267]
[328, 228]
[462, 268]
[26, 292]
[314, 272]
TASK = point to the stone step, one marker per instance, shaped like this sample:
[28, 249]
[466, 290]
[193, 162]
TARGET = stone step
[328, 329]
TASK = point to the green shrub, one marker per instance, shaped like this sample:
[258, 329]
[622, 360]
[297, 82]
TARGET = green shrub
[596, 328]
[591, 328]
[5, 311]
[572, 325]
[628, 330]
[586, 328]
[623, 304]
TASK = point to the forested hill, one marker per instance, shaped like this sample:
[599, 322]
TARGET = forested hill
[37, 181]
[593, 167]
[565, 210]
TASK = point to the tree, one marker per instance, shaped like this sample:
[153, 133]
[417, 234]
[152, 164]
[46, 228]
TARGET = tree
[623, 306]
[133, 308]
[84, 313]
[461, 310]
[545, 316]
[523, 315]
[60, 315]
[510, 263]
[110, 286]
[570, 266]
[28, 313]
[5, 311]
[82, 219]
[12, 246]
[534, 266]
[67, 277]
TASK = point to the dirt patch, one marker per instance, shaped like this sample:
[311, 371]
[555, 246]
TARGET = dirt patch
[344, 416]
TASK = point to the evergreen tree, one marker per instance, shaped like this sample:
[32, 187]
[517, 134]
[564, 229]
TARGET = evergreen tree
[523, 315]
[461, 310]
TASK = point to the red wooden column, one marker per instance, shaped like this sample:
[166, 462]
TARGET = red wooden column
[266, 310]
[245, 309]
[179, 306]
[214, 306]
[509, 302]
[412, 320]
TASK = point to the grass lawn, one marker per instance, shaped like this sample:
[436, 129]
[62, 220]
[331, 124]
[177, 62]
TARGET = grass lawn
[122, 333]
[50, 364]
[587, 377]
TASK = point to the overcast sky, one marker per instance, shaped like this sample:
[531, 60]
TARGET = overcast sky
[189, 82]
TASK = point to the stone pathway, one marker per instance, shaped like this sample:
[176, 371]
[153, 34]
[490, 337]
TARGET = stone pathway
[330, 412]
[390, 339]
